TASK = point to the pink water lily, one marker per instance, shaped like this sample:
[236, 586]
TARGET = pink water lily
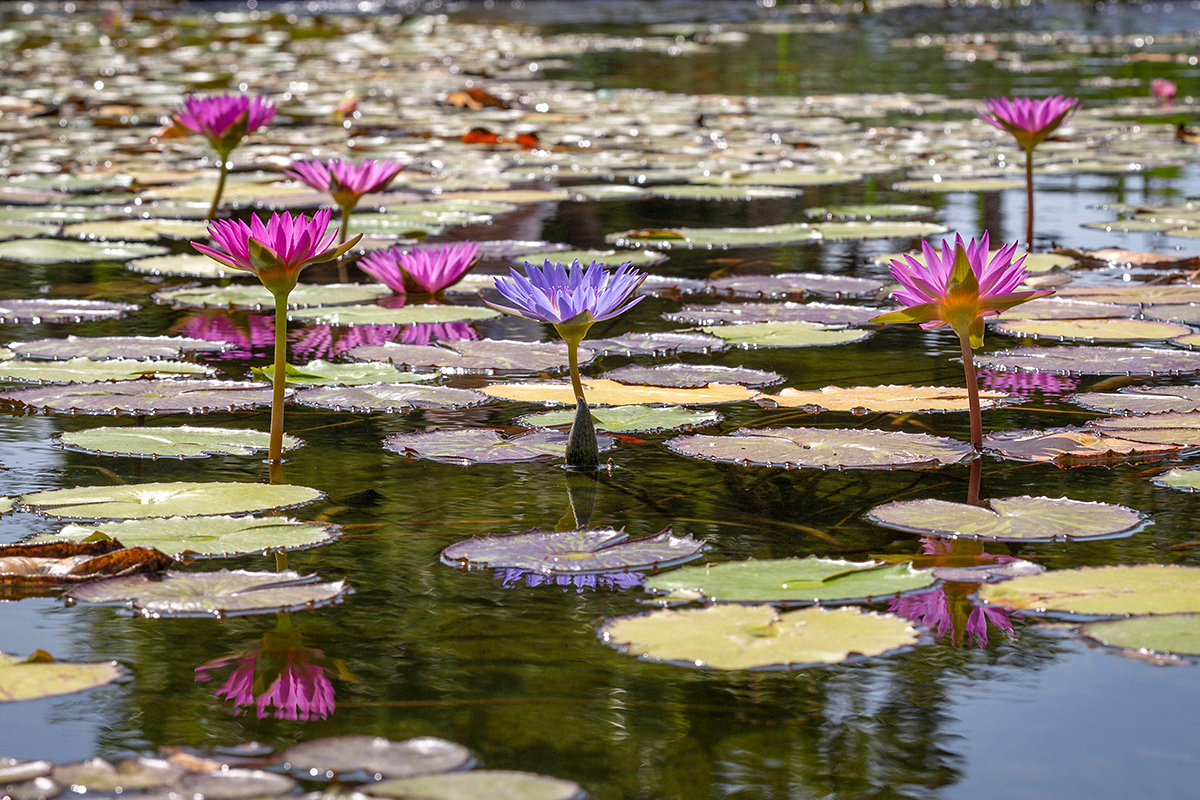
[346, 181]
[1163, 91]
[421, 270]
[225, 120]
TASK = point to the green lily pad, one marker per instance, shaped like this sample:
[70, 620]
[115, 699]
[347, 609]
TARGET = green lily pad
[628, 419]
[51, 215]
[129, 775]
[39, 310]
[489, 783]
[223, 593]
[186, 266]
[1093, 330]
[479, 355]
[116, 347]
[715, 238]
[181, 499]
[679, 192]
[795, 285]
[750, 313]
[825, 448]
[1186, 479]
[1141, 400]
[6, 504]
[86, 370]
[339, 755]
[870, 211]
[790, 580]
[182, 441]
[41, 676]
[1130, 226]
[138, 230]
[482, 446]
[389, 397]
[575, 552]
[786, 177]
[973, 185]
[833, 231]
[785, 334]
[685, 376]
[1010, 519]
[203, 537]
[20, 230]
[1064, 308]
[325, 373]
[143, 397]
[1169, 427]
[1093, 361]
[1112, 590]
[256, 297]
[658, 344]
[378, 315]
[732, 637]
[1165, 634]
[610, 258]
[59, 251]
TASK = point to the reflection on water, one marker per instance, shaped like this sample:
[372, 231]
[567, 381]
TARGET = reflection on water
[619, 581]
[1027, 385]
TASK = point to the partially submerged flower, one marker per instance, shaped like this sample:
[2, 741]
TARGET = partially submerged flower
[1163, 91]
[958, 287]
[346, 181]
[277, 250]
[1029, 120]
[224, 119]
[421, 270]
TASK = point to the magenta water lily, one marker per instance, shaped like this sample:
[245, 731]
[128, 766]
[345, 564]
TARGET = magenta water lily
[225, 120]
[346, 181]
[421, 270]
[1163, 91]
[1030, 121]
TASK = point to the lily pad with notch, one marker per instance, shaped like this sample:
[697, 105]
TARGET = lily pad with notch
[825, 448]
[574, 552]
[1011, 519]
[490, 783]
[795, 285]
[142, 348]
[482, 445]
[87, 370]
[166, 500]
[1086, 360]
[604, 392]
[628, 419]
[888, 399]
[47, 310]
[1115, 590]
[182, 441]
[733, 637]
[375, 756]
[222, 593]
[389, 397]
[143, 397]
[690, 376]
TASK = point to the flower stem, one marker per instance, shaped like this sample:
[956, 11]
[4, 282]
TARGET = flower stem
[972, 394]
[275, 453]
[343, 273]
[573, 364]
[1029, 199]
[212, 210]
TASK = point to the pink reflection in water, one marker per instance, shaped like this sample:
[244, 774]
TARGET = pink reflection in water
[252, 334]
[1026, 384]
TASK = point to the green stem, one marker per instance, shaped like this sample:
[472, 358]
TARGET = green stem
[275, 453]
[343, 273]
[573, 364]
[212, 210]
[280, 566]
[1029, 199]
[972, 394]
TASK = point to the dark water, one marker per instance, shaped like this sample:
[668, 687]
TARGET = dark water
[517, 674]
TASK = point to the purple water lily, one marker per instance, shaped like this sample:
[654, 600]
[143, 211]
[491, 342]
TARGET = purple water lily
[945, 613]
[617, 581]
[225, 120]
[421, 270]
[1026, 384]
[346, 181]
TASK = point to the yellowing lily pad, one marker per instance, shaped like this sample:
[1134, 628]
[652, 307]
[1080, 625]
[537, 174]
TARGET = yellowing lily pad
[1111, 590]
[1093, 330]
[786, 334]
[628, 419]
[716, 238]
[948, 185]
[890, 399]
[378, 315]
[1164, 634]
[604, 392]
[825, 448]
[61, 251]
[1010, 519]
[86, 370]
[41, 676]
[1073, 446]
[165, 500]
[256, 297]
[497, 784]
[877, 230]
[1170, 427]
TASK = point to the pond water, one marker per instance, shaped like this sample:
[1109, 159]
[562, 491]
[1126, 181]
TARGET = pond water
[517, 672]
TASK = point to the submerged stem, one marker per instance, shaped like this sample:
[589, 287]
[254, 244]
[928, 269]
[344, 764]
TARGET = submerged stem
[1029, 199]
[216, 201]
[972, 394]
[275, 453]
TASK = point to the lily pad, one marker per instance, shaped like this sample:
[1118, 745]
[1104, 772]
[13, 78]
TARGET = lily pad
[1142, 400]
[574, 552]
[785, 177]
[226, 783]
[1093, 330]
[482, 445]
[98, 776]
[389, 397]
[38, 310]
[378, 315]
[86, 370]
[481, 355]
[186, 266]
[791, 580]
[60, 251]
[603, 392]
[203, 537]
[183, 441]
[889, 399]
[795, 285]
[1139, 293]
[41, 676]
[325, 373]
[724, 192]
[825, 448]
[1093, 361]
[165, 500]
[1170, 427]
[256, 297]
[489, 783]
[138, 230]
[748, 313]
[733, 637]
[143, 397]
[1112, 590]
[610, 258]
[222, 593]
[690, 376]
[1049, 308]
[1011, 519]
[948, 185]
[628, 419]
[1073, 446]
[869, 211]
[106, 347]
[375, 755]
[715, 238]
[658, 344]
[834, 231]
[1166, 634]
[786, 334]
[1176, 312]
[1185, 479]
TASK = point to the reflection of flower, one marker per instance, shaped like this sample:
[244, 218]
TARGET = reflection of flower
[283, 679]
[977, 624]
[429, 332]
[1163, 91]
[1026, 384]
[320, 341]
[252, 340]
[928, 609]
[421, 270]
[620, 581]
[945, 611]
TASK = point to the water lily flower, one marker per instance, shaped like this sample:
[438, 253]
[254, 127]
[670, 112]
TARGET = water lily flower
[225, 120]
[958, 288]
[346, 181]
[572, 299]
[1163, 91]
[275, 251]
[1030, 121]
[421, 270]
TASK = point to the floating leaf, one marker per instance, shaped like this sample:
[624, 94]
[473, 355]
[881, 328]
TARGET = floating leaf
[1071, 446]
[733, 637]
[790, 580]
[98, 776]
[86, 370]
[1011, 519]
[658, 344]
[374, 755]
[182, 441]
[186, 266]
[1172, 428]
[747, 313]
[1178, 312]
[26, 566]
[138, 230]
[1110, 590]
[39, 310]
[602, 392]
[222, 593]
[482, 445]
[128, 347]
[59, 251]
[574, 552]
[890, 399]
[1132, 258]
[41, 676]
[166, 500]
[825, 448]
[1165, 634]
[834, 231]
[1093, 361]
[785, 177]
[483, 355]
[1148, 294]
[20, 230]
[1064, 308]
[870, 211]
[389, 397]
[1093, 330]
[786, 334]
[378, 315]
[256, 297]
[478, 783]
[1142, 400]
[690, 376]
[628, 419]
[715, 238]
[795, 285]
[945, 186]
[203, 537]
[143, 397]
[1185, 479]
[663, 286]
[226, 783]
[610, 258]
[724, 192]
[326, 373]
